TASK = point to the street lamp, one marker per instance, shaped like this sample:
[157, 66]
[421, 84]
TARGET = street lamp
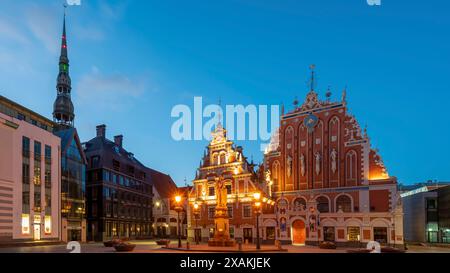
[257, 197]
[196, 215]
[178, 209]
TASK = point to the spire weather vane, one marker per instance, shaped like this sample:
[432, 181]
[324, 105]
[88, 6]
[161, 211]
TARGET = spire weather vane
[312, 81]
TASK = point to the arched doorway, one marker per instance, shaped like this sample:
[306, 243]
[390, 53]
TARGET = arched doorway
[298, 232]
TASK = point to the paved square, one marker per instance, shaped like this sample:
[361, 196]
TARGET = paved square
[151, 247]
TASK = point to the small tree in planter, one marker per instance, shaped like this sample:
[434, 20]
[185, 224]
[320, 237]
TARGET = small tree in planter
[163, 242]
[124, 247]
[327, 245]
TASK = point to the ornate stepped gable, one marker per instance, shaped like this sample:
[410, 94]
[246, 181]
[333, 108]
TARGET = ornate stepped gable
[224, 161]
[320, 145]
[221, 156]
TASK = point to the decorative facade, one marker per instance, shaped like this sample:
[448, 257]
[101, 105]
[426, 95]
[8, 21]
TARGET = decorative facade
[329, 183]
[223, 163]
[29, 175]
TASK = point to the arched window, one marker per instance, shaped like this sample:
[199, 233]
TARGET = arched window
[299, 204]
[282, 203]
[215, 159]
[323, 205]
[344, 203]
[276, 175]
[351, 169]
[223, 158]
[289, 142]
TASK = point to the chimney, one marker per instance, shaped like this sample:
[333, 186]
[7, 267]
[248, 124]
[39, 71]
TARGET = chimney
[101, 131]
[118, 140]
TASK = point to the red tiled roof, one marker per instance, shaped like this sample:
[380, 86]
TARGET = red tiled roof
[163, 183]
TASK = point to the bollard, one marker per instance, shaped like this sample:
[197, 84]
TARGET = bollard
[188, 246]
[240, 246]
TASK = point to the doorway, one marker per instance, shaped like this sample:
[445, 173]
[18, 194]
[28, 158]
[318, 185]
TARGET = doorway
[328, 234]
[298, 232]
[270, 233]
[380, 235]
[248, 235]
[37, 232]
[161, 232]
[74, 235]
[198, 235]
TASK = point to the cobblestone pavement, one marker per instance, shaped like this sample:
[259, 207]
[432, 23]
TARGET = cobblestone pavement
[152, 247]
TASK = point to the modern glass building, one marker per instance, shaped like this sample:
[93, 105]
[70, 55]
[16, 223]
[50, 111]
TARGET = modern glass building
[73, 185]
[426, 214]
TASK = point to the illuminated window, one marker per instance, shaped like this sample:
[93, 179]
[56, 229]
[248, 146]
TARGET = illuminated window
[25, 224]
[37, 174]
[48, 225]
[353, 234]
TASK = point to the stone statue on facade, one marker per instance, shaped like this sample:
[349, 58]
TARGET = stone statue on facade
[302, 165]
[317, 156]
[333, 157]
[289, 166]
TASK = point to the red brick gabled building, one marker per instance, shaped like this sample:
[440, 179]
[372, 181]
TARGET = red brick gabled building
[329, 183]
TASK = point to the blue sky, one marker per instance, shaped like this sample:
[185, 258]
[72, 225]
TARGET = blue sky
[132, 61]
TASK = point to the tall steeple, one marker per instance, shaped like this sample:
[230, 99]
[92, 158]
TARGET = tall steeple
[63, 110]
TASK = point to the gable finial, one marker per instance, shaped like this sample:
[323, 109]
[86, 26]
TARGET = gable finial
[219, 116]
[344, 95]
[312, 80]
[328, 94]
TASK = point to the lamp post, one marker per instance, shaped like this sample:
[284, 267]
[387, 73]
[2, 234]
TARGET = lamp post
[158, 234]
[257, 197]
[178, 209]
[196, 215]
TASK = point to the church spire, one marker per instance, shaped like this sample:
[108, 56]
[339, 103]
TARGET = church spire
[63, 57]
[63, 110]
